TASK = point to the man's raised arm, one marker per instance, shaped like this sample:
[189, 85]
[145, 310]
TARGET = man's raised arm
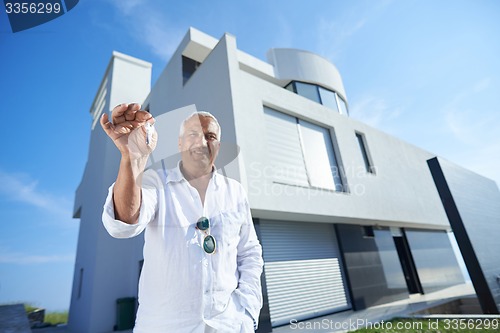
[127, 129]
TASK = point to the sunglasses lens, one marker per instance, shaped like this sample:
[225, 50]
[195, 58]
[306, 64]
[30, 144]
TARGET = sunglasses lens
[203, 223]
[209, 244]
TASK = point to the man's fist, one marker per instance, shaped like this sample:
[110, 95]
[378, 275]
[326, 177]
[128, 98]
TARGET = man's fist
[128, 130]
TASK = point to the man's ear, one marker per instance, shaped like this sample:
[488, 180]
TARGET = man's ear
[179, 144]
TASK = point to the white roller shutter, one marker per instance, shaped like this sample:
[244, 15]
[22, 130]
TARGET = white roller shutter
[303, 273]
[284, 149]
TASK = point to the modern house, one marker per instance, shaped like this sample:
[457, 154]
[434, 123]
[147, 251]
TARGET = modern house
[348, 216]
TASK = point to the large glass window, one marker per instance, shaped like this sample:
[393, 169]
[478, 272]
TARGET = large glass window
[290, 86]
[308, 91]
[321, 163]
[301, 153]
[328, 99]
[320, 95]
[436, 263]
[342, 105]
[373, 266]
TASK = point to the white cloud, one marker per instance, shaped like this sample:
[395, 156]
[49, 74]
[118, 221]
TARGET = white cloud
[333, 34]
[477, 143]
[460, 131]
[284, 37]
[148, 24]
[468, 124]
[475, 131]
[22, 188]
[27, 259]
[126, 6]
[373, 110]
[482, 85]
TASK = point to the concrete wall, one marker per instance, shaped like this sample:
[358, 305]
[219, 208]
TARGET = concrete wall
[111, 266]
[235, 87]
[473, 206]
[401, 193]
[209, 88]
[106, 262]
[292, 64]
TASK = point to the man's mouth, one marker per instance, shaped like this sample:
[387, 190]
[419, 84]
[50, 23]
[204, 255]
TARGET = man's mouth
[199, 151]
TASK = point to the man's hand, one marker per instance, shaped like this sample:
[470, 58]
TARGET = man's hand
[128, 130]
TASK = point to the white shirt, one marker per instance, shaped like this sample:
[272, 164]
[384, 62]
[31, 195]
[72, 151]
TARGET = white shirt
[182, 288]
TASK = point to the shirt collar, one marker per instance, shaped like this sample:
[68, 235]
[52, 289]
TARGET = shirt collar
[175, 175]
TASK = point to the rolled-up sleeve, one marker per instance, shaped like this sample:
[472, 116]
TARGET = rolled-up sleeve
[147, 213]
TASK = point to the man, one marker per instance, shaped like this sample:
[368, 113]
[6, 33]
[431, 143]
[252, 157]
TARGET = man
[202, 258]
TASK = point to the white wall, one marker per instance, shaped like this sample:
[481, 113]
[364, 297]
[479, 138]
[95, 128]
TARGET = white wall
[401, 193]
[110, 266]
[300, 65]
[209, 89]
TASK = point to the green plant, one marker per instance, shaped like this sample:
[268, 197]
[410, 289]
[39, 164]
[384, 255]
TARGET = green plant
[29, 307]
[55, 318]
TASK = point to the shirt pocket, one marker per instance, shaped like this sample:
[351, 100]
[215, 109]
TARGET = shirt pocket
[230, 225]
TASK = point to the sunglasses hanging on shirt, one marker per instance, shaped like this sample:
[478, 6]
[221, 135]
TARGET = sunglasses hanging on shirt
[209, 244]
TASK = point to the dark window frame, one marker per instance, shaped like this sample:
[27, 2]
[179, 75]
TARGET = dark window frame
[189, 66]
[365, 152]
[292, 86]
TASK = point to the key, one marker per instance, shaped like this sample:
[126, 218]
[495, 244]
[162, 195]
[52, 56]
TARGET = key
[149, 133]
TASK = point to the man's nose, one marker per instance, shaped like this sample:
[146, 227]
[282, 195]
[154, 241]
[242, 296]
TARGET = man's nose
[201, 140]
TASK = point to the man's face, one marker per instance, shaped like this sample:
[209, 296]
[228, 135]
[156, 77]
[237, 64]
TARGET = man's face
[199, 144]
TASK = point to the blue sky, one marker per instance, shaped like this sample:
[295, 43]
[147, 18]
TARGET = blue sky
[424, 71]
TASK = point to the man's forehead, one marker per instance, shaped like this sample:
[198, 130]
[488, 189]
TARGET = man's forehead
[198, 122]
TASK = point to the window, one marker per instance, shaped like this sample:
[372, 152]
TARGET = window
[342, 105]
[320, 95]
[141, 264]
[328, 99]
[285, 148]
[80, 282]
[364, 153]
[367, 231]
[321, 163]
[189, 66]
[308, 90]
[301, 153]
[99, 103]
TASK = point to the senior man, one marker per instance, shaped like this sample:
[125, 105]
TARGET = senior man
[202, 258]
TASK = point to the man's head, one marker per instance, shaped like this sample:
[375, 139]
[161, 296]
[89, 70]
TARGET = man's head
[199, 141]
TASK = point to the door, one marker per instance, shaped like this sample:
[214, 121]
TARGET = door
[303, 270]
[407, 264]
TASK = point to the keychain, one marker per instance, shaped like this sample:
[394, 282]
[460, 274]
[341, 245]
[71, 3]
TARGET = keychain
[149, 133]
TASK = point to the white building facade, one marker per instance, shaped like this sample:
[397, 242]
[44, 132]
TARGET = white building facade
[348, 216]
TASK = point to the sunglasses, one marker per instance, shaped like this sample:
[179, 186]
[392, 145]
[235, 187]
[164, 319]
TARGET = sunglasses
[209, 244]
